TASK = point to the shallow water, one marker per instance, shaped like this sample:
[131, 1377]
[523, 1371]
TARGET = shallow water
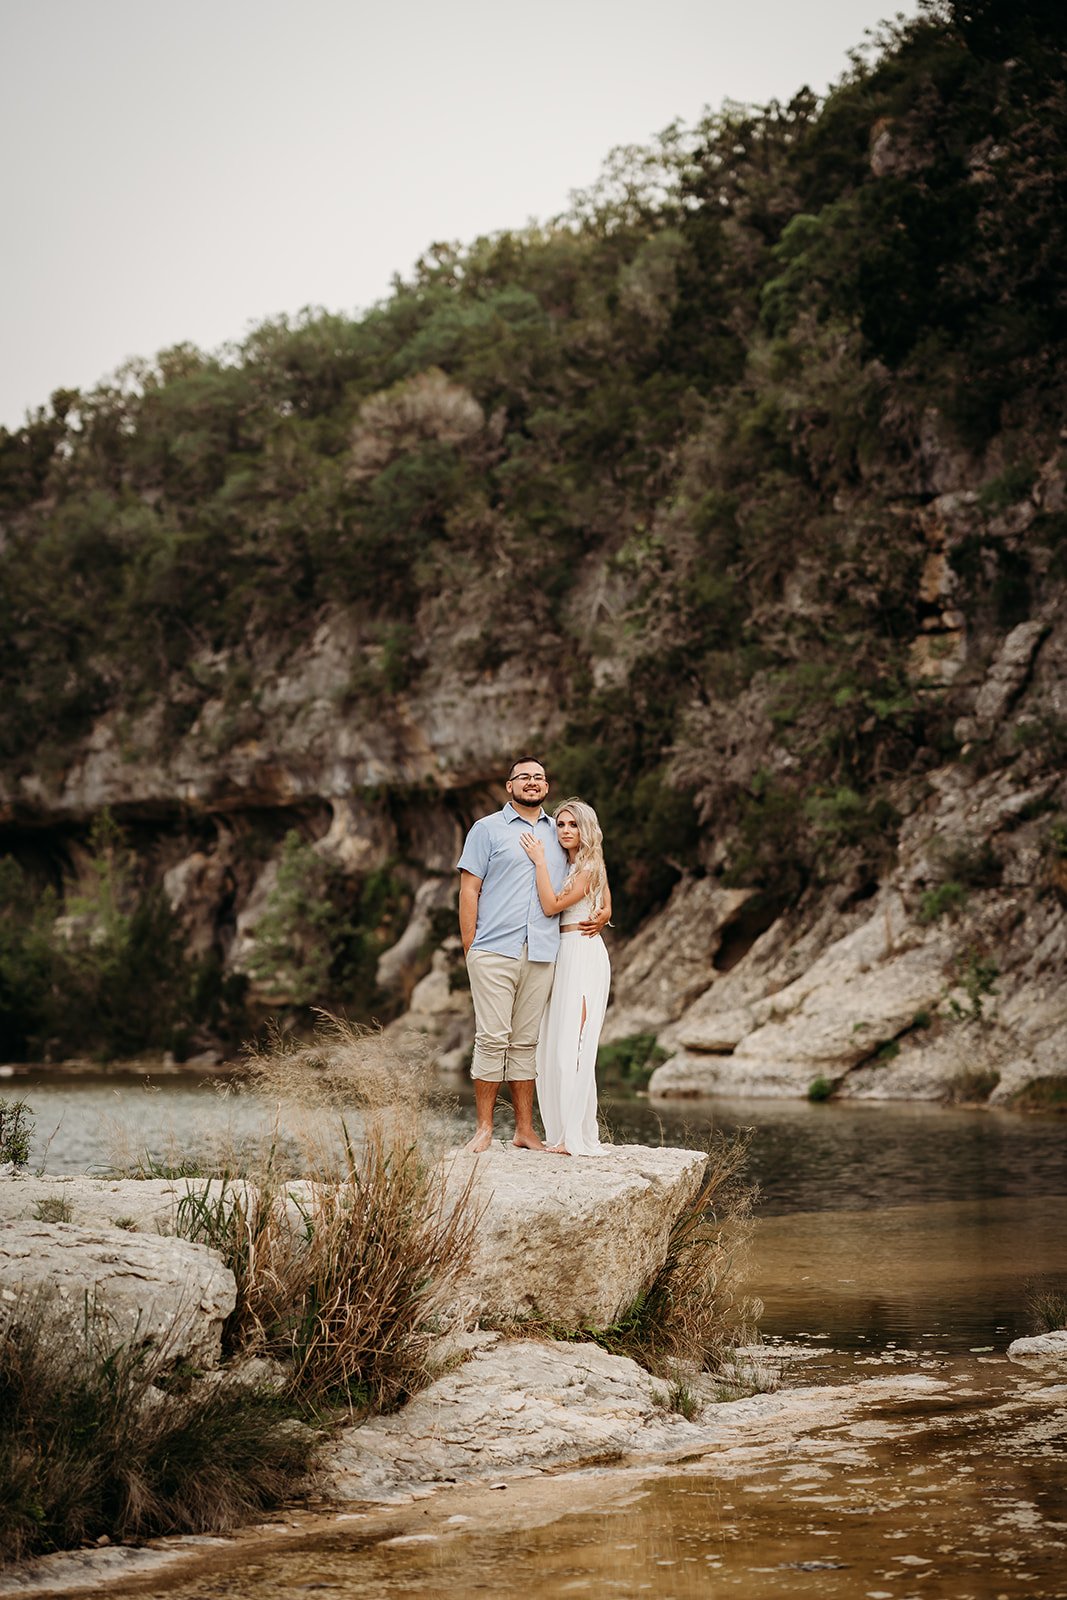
[956, 1491]
[804, 1157]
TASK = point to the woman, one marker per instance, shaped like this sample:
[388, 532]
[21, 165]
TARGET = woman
[570, 1030]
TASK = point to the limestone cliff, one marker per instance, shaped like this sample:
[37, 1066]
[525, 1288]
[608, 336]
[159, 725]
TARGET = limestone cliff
[738, 495]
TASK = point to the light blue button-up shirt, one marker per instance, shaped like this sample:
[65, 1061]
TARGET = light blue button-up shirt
[509, 910]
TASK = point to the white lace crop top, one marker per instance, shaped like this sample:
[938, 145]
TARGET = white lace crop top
[580, 911]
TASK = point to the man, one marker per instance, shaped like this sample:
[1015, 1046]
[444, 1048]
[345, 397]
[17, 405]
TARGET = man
[511, 948]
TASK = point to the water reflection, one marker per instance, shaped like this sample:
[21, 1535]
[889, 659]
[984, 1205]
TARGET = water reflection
[950, 1276]
[804, 1157]
[882, 1230]
[959, 1494]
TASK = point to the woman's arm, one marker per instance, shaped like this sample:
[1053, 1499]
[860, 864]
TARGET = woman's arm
[600, 919]
[551, 902]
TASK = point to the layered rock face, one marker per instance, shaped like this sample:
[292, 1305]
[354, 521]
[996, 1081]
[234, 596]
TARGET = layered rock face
[132, 1289]
[938, 977]
[945, 982]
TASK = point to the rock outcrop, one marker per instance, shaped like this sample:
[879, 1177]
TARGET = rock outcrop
[1042, 1348]
[516, 1405]
[134, 1289]
[560, 1240]
[519, 1407]
[570, 1241]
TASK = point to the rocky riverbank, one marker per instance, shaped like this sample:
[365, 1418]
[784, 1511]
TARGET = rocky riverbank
[840, 1451]
[504, 1411]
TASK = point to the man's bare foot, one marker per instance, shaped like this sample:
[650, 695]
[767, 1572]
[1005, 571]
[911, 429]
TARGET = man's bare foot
[528, 1141]
[483, 1138]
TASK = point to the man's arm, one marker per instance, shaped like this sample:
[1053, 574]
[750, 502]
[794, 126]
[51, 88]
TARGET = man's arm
[470, 889]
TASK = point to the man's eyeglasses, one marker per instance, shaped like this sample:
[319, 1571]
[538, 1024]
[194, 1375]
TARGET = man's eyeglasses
[527, 777]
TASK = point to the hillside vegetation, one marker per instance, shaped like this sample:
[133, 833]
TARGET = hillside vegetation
[672, 452]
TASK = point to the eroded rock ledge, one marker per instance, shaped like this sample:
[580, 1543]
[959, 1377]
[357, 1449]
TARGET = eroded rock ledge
[565, 1241]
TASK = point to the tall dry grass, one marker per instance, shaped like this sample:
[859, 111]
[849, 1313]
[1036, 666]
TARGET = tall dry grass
[347, 1274]
[693, 1313]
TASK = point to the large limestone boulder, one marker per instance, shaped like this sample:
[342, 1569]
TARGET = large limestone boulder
[150, 1291]
[135, 1205]
[572, 1240]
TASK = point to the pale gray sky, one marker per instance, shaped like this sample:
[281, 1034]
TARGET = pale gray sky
[178, 172]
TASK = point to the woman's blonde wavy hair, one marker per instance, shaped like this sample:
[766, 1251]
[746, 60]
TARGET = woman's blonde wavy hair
[590, 856]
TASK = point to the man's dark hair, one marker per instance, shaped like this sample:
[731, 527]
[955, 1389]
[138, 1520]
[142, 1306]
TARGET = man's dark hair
[518, 762]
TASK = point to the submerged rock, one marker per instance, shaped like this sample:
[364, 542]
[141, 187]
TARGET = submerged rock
[1043, 1347]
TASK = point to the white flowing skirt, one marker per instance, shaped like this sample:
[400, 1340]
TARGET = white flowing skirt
[566, 1049]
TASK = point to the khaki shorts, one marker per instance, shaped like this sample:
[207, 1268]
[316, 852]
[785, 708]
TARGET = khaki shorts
[509, 997]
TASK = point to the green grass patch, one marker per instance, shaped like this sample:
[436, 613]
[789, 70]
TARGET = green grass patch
[945, 900]
[630, 1061]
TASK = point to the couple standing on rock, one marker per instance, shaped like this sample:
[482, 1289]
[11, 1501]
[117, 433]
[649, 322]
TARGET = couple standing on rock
[533, 898]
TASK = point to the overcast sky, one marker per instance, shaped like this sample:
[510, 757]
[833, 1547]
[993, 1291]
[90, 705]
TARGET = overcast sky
[179, 172]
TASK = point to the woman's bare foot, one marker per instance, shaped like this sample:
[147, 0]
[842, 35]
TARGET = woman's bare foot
[528, 1141]
[483, 1138]
[557, 1149]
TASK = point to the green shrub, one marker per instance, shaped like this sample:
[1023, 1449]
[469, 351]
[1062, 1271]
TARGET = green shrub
[322, 932]
[632, 1060]
[976, 975]
[945, 900]
[1042, 1094]
[971, 1085]
[820, 1088]
[1013, 485]
[110, 975]
[102, 1444]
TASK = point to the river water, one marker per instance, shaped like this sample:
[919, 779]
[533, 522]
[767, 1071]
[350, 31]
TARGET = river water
[892, 1240]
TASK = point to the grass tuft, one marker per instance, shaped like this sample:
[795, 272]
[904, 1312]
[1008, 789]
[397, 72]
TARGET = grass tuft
[93, 1445]
[692, 1314]
[1046, 1307]
[971, 1085]
[345, 1276]
[16, 1132]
